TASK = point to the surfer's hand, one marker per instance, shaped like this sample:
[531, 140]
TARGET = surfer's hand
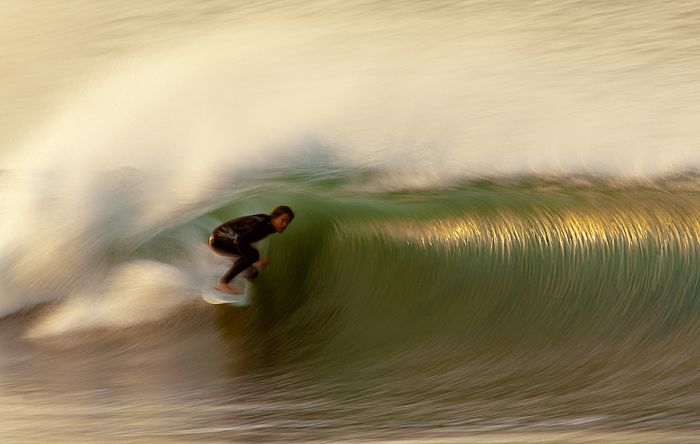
[264, 262]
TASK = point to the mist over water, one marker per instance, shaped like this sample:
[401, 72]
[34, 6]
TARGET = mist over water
[459, 89]
[496, 232]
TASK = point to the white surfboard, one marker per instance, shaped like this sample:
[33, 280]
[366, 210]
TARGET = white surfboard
[213, 296]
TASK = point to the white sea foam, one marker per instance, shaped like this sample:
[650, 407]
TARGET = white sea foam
[413, 95]
[135, 292]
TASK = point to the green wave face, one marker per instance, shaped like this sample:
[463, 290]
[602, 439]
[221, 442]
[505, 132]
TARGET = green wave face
[480, 267]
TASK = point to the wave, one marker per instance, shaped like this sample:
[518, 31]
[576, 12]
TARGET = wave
[475, 251]
[448, 172]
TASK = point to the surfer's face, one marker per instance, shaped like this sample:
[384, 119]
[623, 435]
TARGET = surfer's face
[280, 222]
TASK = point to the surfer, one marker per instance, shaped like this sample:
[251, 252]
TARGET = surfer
[234, 239]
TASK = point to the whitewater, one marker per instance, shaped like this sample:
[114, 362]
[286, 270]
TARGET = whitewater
[497, 235]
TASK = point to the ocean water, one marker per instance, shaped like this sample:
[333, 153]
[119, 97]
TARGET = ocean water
[497, 232]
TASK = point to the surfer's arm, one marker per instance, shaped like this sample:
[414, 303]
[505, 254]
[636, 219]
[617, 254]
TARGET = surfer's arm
[263, 262]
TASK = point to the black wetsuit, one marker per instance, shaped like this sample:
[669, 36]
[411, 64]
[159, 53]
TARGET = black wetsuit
[233, 238]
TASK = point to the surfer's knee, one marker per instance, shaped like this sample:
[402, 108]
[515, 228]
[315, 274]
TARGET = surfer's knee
[250, 254]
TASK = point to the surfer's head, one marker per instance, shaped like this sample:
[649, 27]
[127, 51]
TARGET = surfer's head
[281, 217]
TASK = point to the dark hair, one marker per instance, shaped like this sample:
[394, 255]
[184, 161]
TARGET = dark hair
[280, 210]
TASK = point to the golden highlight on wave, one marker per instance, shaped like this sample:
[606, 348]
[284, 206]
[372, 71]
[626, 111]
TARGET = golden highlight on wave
[610, 227]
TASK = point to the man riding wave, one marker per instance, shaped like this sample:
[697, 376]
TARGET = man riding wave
[234, 239]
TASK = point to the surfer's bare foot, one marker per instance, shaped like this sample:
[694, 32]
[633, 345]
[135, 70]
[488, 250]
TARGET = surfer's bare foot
[224, 288]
